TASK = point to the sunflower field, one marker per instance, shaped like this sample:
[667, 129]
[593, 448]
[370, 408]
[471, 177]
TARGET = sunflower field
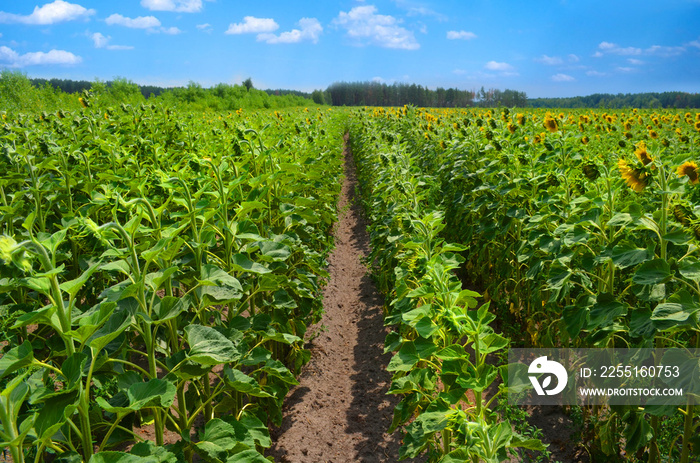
[159, 269]
[158, 272]
[580, 228]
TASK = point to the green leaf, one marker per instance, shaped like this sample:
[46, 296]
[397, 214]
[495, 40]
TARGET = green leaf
[274, 252]
[690, 269]
[258, 430]
[605, 311]
[637, 431]
[418, 380]
[277, 369]
[628, 255]
[641, 324]
[156, 280]
[460, 455]
[121, 457]
[16, 358]
[39, 284]
[452, 352]
[118, 322]
[426, 327]
[620, 219]
[169, 308]
[73, 286]
[477, 379]
[673, 311]
[73, 368]
[405, 358]
[241, 263]
[491, 342]
[230, 441]
[120, 266]
[54, 414]
[652, 272]
[221, 287]
[241, 382]
[247, 456]
[209, 347]
[53, 241]
[515, 377]
[248, 206]
[154, 393]
[531, 444]
[151, 450]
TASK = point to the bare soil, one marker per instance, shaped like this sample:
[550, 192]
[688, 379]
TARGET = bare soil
[340, 411]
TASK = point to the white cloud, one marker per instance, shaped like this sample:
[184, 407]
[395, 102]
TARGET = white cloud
[664, 51]
[180, 6]
[549, 60]
[310, 29]
[14, 59]
[50, 13]
[99, 40]
[253, 25]
[170, 30]
[364, 25]
[496, 66]
[459, 72]
[102, 41]
[7, 54]
[595, 73]
[416, 9]
[608, 47]
[625, 69]
[206, 27]
[142, 22]
[635, 61]
[562, 78]
[573, 58]
[656, 50]
[694, 43]
[460, 35]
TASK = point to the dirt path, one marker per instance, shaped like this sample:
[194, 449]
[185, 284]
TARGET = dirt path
[340, 411]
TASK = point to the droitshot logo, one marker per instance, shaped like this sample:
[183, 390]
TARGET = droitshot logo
[541, 371]
[644, 376]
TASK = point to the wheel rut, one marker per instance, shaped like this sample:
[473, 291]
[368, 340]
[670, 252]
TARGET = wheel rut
[340, 411]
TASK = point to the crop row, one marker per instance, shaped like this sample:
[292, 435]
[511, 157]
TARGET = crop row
[581, 229]
[158, 271]
[443, 342]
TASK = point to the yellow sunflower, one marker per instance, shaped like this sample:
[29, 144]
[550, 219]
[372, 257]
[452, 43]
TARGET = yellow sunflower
[550, 123]
[690, 170]
[642, 153]
[637, 179]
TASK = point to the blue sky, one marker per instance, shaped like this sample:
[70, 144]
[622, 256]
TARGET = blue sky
[544, 48]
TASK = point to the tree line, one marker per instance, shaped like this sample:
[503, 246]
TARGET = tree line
[399, 94]
[618, 101]
[18, 91]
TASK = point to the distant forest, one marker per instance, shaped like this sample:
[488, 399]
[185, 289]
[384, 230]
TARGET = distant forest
[399, 94]
[626, 100]
[380, 94]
